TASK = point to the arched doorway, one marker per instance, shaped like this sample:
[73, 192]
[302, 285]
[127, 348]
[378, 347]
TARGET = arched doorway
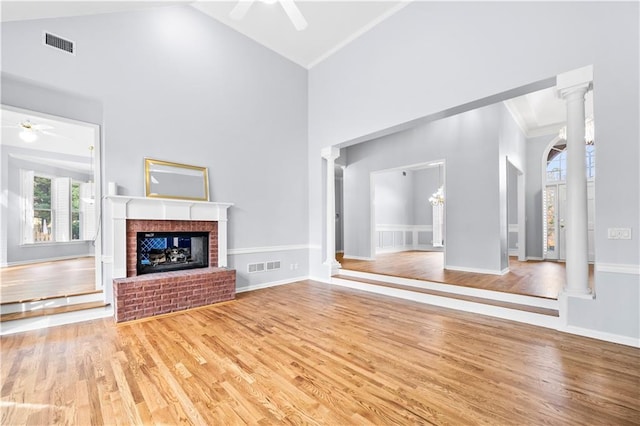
[555, 196]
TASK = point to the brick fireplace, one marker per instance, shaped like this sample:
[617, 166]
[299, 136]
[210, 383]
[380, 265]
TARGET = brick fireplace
[139, 296]
[134, 226]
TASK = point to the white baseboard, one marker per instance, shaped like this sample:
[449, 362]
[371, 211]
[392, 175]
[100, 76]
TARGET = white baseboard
[477, 270]
[535, 258]
[348, 256]
[602, 335]
[270, 284]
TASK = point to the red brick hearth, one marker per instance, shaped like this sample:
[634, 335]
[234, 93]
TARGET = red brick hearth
[155, 294]
[147, 295]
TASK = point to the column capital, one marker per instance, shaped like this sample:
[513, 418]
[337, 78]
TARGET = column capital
[576, 81]
[330, 152]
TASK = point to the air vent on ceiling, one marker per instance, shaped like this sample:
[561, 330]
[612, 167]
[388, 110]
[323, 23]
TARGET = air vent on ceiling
[59, 43]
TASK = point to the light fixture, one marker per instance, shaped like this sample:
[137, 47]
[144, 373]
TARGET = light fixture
[28, 135]
[437, 198]
[589, 132]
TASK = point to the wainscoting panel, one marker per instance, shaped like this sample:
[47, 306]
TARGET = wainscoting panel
[392, 238]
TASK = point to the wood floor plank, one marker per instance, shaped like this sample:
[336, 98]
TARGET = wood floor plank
[39, 281]
[530, 278]
[311, 353]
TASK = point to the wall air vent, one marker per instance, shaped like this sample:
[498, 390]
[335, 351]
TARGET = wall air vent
[255, 267]
[273, 265]
[59, 43]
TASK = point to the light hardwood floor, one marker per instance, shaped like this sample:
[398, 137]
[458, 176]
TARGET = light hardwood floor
[47, 279]
[316, 354]
[532, 278]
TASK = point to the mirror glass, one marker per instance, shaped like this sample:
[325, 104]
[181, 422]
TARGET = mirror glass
[164, 179]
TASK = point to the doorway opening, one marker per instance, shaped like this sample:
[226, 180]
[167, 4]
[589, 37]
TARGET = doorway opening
[408, 209]
[50, 213]
[555, 199]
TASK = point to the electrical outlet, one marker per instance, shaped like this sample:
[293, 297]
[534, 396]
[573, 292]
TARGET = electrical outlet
[619, 233]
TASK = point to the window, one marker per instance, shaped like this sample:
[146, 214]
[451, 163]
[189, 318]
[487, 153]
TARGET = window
[75, 211]
[557, 162]
[53, 209]
[42, 223]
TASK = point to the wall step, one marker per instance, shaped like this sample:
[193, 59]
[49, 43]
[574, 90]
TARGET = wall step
[526, 309]
[51, 311]
[51, 302]
[71, 314]
[517, 306]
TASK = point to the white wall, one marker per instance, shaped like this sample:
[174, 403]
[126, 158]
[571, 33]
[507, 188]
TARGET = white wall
[174, 84]
[434, 56]
[16, 252]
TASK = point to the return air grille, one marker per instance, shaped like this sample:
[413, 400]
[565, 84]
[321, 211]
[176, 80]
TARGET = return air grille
[273, 265]
[255, 267]
[59, 43]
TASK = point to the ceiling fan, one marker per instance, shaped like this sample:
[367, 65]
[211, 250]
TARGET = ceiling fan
[30, 131]
[290, 8]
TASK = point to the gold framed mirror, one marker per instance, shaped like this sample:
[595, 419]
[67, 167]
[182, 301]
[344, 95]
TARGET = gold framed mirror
[164, 179]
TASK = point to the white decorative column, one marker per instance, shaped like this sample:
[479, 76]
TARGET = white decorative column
[330, 154]
[572, 87]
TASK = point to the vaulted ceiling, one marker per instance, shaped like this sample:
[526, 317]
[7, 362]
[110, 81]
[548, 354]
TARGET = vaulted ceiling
[331, 26]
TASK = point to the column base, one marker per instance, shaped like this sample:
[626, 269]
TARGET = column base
[333, 266]
[580, 295]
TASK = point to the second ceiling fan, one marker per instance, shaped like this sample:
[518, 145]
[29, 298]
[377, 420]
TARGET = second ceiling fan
[290, 8]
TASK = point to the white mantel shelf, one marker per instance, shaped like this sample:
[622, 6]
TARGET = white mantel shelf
[121, 207]
[126, 207]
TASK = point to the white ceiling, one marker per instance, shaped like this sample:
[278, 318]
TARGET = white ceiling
[332, 23]
[59, 136]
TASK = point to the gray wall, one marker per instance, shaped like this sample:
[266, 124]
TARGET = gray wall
[393, 200]
[174, 84]
[425, 183]
[533, 182]
[404, 199]
[512, 204]
[469, 143]
[401, 197]
[396, 73]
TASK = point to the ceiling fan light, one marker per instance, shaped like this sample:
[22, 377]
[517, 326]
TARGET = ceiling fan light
[28, 136]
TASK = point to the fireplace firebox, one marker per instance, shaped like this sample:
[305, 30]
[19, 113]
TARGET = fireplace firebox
[171, 251]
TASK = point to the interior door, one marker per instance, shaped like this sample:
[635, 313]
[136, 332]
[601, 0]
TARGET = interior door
[550, 206]
[562, 214]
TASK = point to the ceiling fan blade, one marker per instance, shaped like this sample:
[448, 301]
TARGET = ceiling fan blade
[241, 9]
[294, 14]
